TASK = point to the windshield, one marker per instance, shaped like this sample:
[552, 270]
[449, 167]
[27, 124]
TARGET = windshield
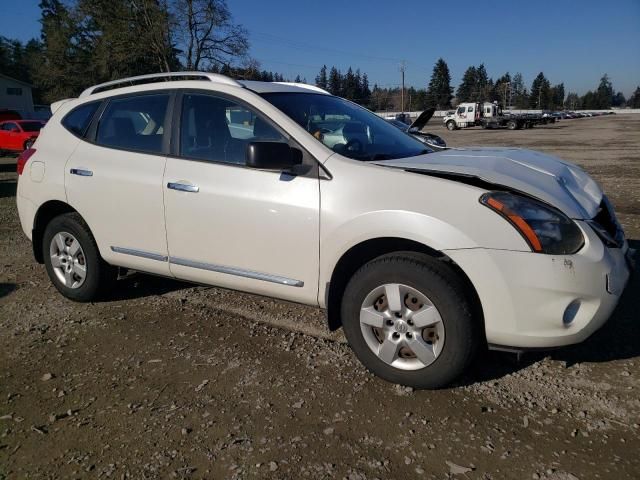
[345, 127]
[31, 126]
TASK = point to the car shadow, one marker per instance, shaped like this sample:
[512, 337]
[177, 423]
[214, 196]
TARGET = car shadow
[616, 340]
[141, 285]
[7, 289]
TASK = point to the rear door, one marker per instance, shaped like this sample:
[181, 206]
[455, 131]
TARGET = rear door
[115, 180]
[234, 226]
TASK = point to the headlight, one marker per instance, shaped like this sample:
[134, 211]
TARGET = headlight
[546, 229]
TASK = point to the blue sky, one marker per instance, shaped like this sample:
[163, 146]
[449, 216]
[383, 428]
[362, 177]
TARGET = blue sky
[571, 41]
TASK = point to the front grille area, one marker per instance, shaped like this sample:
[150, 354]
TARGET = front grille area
[606, 225]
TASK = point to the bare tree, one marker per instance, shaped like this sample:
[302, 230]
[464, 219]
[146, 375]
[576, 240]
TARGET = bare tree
[207, 35]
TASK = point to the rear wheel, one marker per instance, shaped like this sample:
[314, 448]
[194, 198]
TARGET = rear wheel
[29, 143]
[512, 125]
[73, 261]
[408, 319]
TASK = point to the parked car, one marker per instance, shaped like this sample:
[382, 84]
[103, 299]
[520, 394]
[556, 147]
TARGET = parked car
[422, 258]
[19, 135]
[433, 141]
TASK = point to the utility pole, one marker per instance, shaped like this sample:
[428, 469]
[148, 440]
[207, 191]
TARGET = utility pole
[403, 66]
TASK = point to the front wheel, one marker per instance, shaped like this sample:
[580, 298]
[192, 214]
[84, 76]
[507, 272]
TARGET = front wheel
[451, 125]
[73, 261]
[408, 319]
[512, 125]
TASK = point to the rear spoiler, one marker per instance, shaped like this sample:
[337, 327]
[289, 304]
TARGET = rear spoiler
[56, 105]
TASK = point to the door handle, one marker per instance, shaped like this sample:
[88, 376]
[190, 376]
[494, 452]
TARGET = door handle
[81, 172]
[183, 187]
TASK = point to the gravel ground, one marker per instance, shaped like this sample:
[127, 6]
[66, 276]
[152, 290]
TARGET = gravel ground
[169, 380]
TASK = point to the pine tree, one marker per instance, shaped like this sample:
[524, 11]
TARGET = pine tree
[483, 85]
[634, 100]
[298, 79]
[365, 91]
[321, 79]
[349, 85]
[466, 89]
[334, 84]
[439, 91]
[519, 95]
[604, 93]
[557, 96]
[502, 90]
[540, 97]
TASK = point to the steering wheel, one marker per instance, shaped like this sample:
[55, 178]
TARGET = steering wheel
[351, 144]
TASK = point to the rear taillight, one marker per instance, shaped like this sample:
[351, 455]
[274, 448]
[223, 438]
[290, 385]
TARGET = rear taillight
[23, 158]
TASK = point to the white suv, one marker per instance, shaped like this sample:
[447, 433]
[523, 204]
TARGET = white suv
[284, 190]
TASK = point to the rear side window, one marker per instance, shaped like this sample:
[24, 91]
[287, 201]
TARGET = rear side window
[134, 123]
[80, 117]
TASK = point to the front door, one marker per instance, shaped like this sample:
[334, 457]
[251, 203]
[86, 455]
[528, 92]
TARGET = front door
[230, 225]
[115, 182]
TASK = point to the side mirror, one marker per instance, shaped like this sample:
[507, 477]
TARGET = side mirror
[273, 156]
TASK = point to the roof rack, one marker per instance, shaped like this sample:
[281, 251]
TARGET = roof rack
[153, 77]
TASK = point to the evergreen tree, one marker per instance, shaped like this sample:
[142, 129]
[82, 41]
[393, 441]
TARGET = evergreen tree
[439, 92]
[604, 93]
[557, 96]
[519, 95]
[540, 93]
[321, 79]
[618, 100]
[634, 100]
[334, 84]
[483, 85]
[502, 90]
[365, 92]
[349, 85]
[298, 79]
[465, 92]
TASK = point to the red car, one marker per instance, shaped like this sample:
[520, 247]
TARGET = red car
[19, 135]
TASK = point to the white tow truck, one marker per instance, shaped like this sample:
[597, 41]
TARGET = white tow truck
[490, 115]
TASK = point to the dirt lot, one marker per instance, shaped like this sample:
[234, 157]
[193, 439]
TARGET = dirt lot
[168, 380]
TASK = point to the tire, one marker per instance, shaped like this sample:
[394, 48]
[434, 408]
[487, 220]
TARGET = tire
[512, 125]
[64, 261]
[451, 125]
[29, 143]
[454, 338]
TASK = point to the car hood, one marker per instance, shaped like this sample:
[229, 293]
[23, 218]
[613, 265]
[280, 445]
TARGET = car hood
[422, 119]
[548, 178]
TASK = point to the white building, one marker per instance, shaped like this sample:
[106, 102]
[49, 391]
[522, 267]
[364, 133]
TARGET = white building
[15, 95]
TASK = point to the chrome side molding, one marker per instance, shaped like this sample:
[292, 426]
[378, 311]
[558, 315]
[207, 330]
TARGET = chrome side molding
[140, 253]
[238, 272]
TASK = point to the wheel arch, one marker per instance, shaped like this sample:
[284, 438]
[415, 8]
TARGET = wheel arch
[370, 249]
[47, 212]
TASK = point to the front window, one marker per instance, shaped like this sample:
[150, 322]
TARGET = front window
[32, 126]
[345, 127]
[215, 129]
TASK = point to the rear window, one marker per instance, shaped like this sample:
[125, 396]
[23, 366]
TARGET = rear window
[134, 123]
[78, 120]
